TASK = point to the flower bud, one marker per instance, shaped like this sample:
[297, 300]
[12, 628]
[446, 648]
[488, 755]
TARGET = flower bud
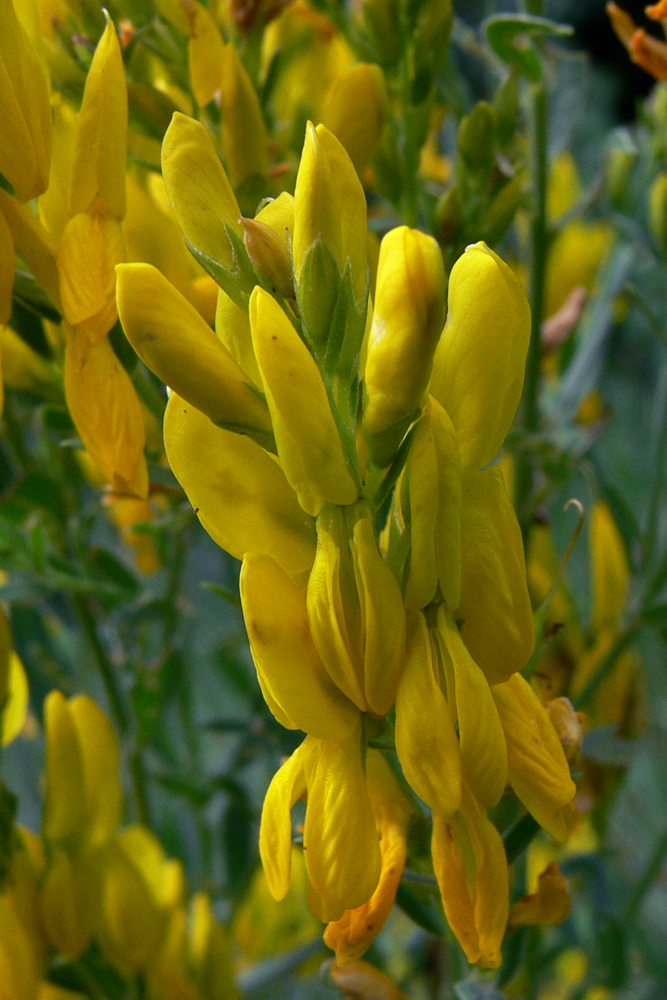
[356, 111]
[244, 138]
[69, 903]
[309, 446]
[269, 253]
[477, 138]
[621, 158]
[657, 210]
[569, 727]
[408, 318]
[25, 138]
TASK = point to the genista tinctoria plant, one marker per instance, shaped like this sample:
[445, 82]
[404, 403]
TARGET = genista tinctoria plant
[341, 449]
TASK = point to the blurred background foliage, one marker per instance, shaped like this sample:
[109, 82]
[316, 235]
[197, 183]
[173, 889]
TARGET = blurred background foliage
[136, 606]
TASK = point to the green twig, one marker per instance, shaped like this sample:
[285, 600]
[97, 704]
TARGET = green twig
[116, 702]
[538, 261]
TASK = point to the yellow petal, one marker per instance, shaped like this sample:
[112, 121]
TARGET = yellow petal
[100, 144]
[547, 907]
[275, 834]
[538, 770]
[34, 243]
[309, 445]
[483, 749]
[90, 248]
[199, 189]
[239, 492]
[205, 52]
[340, 841]
[453, 859]
[382, 619]
[69, 903]
[131, 927]
[435, 519]
[352, 935]
[6, 643]
[244, 136]
[101, 767]
[106, 410]
[330, 205]
[609, 569]
[175, 342]
[356, 111]
[15, 710]
[25, 137]
[210, 952]
[278, 213]
[7, 268]
[408, 315]
[288, 665]
[497, 619]
[479, 364]
[366, 981]
[491, 882]
[65, 805]
[334, 610]
[232, 326]
[426, 742]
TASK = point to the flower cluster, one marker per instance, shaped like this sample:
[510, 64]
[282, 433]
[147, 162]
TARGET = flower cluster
[341, 448]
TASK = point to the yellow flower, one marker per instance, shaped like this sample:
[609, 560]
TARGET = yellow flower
[355, 111]
[549, 906]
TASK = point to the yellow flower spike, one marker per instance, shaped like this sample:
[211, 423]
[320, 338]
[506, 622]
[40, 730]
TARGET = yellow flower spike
[7, 268]
[206, 52]
[69, 903]
[547, 907]
[199, 190]
[356, 110]
[329, 210]
[101, 766]
[65, 808]
[483, 749]
[244, 138]
[232, 325]
[91, 247]
[340, 841]
[34, 243]
[269, 253]
[479, 363]
[538, 770]
[294, 682]
[25, 139]
[609, 569]
[497, 619]
[275, 833]
[175, 342]
[210, 952]
[131, 924]
[408, 316]
[353, 934]
[19, 967]
[435, 519]
[106, 410]
[309, 446]
[15, 710]
[426, 741]
[100, 142]
[239, 493]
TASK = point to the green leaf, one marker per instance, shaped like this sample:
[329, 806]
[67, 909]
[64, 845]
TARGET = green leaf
[107, 567]
[510, 36]
[238, 841]
[422, 912]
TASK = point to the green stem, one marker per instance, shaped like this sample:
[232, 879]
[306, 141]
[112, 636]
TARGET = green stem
[623, 640]
[106, 670]
[633, 905]
[538, 260]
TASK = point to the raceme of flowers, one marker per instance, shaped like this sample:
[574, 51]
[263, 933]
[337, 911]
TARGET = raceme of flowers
[341, 449]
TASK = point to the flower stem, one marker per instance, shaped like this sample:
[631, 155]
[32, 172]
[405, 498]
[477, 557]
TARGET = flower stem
[538, 259]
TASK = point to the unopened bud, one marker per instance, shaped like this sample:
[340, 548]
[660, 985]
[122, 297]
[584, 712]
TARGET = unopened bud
[657, 209]
[356, 110]
[621, 158]
[269, 253]
[568, 725]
